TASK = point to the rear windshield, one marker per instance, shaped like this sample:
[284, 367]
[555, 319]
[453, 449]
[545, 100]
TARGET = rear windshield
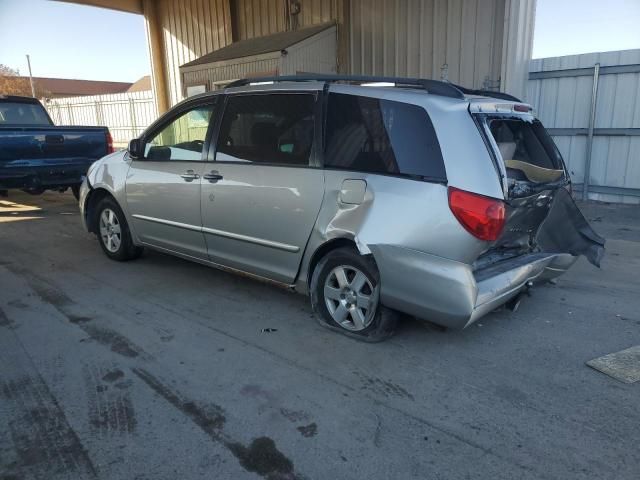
[527, 150]
[17, 113]
[381, 136]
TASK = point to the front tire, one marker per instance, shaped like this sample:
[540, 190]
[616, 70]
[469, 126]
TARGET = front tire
[113, 232]
[345, 296]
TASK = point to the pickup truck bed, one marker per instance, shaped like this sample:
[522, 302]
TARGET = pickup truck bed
[36, 155]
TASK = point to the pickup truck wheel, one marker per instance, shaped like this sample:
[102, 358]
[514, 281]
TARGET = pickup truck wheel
[113, 232]
[75, 189]
[345, 296]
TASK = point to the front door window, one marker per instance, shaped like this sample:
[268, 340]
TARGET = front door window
[183, 139]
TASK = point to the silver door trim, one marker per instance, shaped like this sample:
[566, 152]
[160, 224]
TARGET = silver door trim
[257, 241]
[222, 233]
[186, 226]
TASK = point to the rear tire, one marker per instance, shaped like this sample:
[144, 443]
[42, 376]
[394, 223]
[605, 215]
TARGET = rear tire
[113, 232]
[345, 296]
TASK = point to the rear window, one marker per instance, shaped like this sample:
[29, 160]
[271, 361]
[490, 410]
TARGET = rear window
[381, 136]
[527, 150]
[18, 113]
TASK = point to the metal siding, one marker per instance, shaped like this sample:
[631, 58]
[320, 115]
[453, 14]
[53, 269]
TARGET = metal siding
[517, 42]
[481, 42]
[565, 103]
[246, 67]
[191, 29]
[257, 18]
[418, 37]
[316, 54]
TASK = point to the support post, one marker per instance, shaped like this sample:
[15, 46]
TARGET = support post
[592, 121]
[157, 55]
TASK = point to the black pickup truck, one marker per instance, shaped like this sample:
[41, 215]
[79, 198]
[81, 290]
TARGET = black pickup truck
[36, 155]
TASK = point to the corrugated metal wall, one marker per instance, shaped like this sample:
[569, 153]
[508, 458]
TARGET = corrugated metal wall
[479, 41]
[456, 39]
[249, 67]
[565, 103]
[315, 54]
[191, 29]
[517, 44]
[257, 18]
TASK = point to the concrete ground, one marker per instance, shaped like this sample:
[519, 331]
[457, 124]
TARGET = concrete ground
[160, 369]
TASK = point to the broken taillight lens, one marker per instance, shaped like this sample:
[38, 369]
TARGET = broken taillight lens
[483, 217]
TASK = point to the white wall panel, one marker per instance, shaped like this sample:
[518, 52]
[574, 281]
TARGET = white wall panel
[316, 54]
[566, 103]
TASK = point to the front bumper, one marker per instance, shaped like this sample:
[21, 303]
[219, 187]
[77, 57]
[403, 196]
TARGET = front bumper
[85, 188]
[450, 293]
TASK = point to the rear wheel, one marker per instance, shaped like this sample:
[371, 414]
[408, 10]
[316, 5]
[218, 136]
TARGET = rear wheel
[113, 231]
[345, 296]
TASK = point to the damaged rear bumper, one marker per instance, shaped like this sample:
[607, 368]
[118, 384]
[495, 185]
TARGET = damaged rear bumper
[450, 293]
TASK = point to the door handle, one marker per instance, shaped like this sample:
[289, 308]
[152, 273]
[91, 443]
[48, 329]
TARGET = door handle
[54, 139]
[213, 176]
[190, 176]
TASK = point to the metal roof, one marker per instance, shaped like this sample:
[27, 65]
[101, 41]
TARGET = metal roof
[259, 45]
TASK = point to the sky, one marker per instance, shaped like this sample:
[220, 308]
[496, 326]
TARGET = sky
[569, 27]
[75, 41]
[72, 41]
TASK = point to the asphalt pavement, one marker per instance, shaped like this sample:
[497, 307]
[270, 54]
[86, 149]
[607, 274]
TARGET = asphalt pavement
[164, 369]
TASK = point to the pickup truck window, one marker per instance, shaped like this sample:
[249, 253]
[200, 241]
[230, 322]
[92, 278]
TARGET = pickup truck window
[18, 113]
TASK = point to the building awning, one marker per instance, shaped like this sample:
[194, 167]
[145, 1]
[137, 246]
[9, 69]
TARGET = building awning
[259, 45]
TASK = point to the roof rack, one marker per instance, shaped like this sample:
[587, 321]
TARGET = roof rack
[434, 87]
[488, 93]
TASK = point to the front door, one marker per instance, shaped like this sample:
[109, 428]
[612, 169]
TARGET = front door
[163, 188]
[262, 194]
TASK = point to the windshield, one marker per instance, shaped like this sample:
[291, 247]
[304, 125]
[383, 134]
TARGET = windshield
[18, 113]
[527, 150]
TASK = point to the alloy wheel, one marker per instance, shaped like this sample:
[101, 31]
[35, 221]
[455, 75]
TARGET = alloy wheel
[349, 297]
[110, 230]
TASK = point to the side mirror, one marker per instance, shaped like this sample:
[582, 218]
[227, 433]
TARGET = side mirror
[136, 148]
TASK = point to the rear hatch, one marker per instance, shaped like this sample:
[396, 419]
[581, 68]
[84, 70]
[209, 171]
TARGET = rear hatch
[536, 186]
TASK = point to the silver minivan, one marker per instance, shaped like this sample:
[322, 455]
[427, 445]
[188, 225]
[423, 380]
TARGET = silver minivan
[374, 196]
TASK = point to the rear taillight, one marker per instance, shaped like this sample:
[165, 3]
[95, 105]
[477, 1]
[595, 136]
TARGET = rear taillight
[483, 217]
[109, 140]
